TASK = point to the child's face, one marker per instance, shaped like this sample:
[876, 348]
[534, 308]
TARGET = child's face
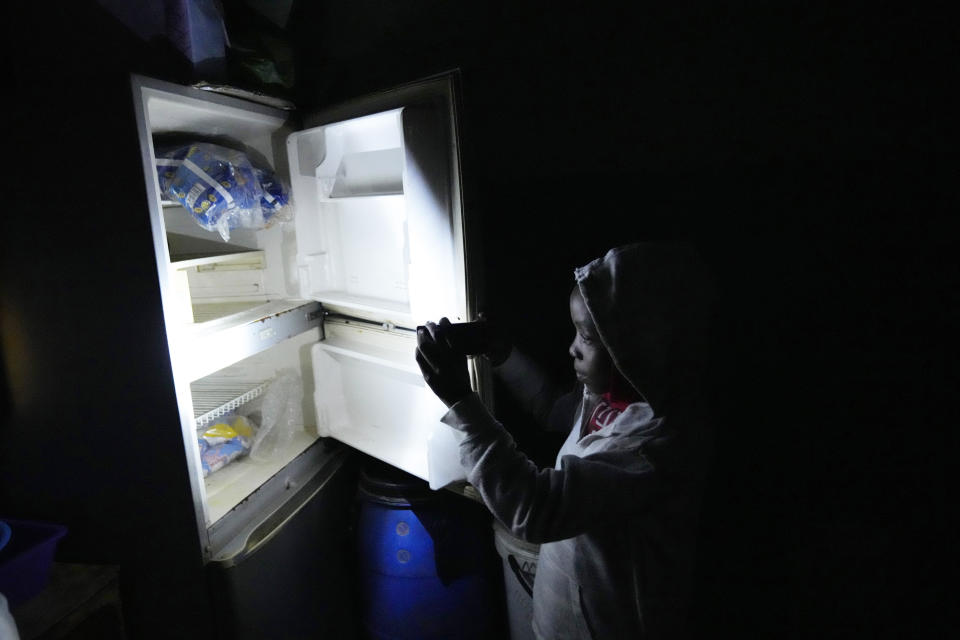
[591, 361]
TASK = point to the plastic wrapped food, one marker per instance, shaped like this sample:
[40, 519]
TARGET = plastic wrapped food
[221, 189]
[168, 162]
[275, 198]
[281, 416]
[224, 442]
[262, 428]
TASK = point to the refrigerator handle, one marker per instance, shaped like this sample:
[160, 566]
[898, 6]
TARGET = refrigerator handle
[255, 536]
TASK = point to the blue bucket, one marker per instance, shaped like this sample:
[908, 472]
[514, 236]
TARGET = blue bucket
[425, 561]
[26, 558]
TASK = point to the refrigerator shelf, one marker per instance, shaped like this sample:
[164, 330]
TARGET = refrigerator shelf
[214, 397]
[205, 348]
[207, 312]
[190, 251]
[231, 485]
[241, 260]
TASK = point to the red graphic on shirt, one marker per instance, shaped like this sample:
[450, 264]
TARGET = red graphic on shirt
[606, 411]
[603, 414]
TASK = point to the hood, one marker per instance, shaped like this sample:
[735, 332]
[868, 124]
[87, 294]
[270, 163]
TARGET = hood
[651, 305]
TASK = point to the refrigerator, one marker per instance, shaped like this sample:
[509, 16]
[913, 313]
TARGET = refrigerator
[378, 243]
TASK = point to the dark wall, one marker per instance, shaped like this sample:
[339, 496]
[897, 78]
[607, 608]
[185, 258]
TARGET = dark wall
[88, 396]
[806, 149]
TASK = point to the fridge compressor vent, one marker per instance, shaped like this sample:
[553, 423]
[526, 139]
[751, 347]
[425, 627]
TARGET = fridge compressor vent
[213, 398]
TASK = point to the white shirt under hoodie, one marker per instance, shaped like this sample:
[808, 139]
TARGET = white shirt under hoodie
[616, 517]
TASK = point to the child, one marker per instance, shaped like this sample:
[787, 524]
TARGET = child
[616, 517]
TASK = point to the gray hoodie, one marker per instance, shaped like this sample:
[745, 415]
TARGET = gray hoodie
[616, 517]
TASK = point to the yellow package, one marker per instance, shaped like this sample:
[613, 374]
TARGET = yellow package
[220, 430]
[243, 427]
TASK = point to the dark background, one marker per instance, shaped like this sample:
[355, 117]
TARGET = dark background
[808, 150]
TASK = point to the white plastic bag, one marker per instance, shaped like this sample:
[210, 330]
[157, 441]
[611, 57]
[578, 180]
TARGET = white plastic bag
[281, 416]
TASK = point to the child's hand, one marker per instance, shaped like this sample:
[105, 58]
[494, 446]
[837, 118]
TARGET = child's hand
[444, 370]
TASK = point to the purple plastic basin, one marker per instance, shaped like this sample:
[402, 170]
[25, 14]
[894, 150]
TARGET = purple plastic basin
[25, 560]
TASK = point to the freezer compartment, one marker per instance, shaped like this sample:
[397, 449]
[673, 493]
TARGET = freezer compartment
[371, 395]
[241, 389]
[203, 277]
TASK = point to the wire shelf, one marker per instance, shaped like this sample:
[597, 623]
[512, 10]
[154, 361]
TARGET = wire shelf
[214, 397]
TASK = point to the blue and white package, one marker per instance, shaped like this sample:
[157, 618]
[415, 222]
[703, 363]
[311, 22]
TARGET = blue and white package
[275, 197]
[216, 456]
[222, 443]
[168, 162]
[219, 187]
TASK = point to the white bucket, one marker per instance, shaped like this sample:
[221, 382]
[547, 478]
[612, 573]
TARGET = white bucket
[519, 570]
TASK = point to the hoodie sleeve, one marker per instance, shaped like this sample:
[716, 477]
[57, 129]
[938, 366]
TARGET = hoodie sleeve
[549, 504]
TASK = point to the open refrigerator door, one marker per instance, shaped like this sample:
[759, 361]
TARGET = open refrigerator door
[381, 245]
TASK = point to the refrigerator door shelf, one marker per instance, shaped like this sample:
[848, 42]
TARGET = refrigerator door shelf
[359, 157]
[202, 349]
[364, 173]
